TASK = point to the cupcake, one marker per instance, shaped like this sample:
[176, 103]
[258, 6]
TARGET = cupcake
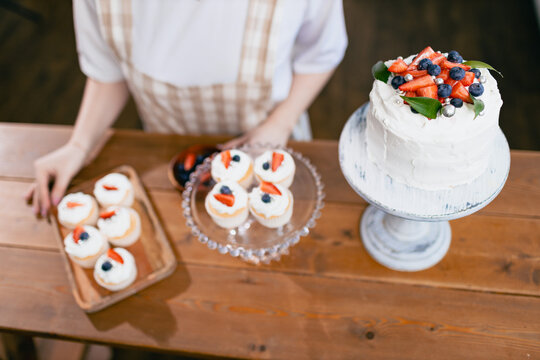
[226, 204]
[121, 225]
[84, 245]
[115, 270]
[77, 209]
[233, 165]
[271, 204]
[276, 167]
[114, 189]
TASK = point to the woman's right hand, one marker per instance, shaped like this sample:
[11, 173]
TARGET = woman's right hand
[59, 166]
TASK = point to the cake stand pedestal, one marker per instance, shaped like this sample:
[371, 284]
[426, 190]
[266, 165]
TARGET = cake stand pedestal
[406, 228]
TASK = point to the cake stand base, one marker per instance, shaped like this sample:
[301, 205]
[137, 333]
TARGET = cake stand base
[401, 244]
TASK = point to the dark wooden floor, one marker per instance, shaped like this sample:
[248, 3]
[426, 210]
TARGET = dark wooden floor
[41, 81]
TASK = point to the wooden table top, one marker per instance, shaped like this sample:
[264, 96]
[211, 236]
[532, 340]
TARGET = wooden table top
[327, 299]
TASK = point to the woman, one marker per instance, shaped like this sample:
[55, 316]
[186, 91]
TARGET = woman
[241, 67]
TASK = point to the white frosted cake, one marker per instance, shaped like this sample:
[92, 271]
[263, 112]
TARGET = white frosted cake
[451, 149]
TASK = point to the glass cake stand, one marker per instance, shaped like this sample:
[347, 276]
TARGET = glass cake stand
[251, 241]
[406, 228]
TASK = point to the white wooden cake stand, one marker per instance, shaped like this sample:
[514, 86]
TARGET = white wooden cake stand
[406, 228]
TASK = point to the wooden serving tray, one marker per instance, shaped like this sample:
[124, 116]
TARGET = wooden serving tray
[153, 254]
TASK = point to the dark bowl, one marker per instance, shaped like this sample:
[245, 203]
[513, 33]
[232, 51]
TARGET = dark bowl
[176, 171]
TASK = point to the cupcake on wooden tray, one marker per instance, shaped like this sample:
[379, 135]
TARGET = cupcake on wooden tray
[233, 165]
[121, 225]
[115, 270]
[276, 167]
[271, 204]
[227, 204]
[114, 189]
[85, 245]
[77, 209]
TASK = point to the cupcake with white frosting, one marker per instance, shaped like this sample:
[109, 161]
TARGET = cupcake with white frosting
[233, 165]
[84, 245]
[227, 204]
[276, 167]
[115, 270]
[114, 189]
[121, 225]
[77, 209]
[271, 204]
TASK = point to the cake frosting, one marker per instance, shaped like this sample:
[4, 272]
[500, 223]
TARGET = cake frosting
[227, 204]
[240, 198]
[120, 274]
[238, 168]
[282, 175]
[122, 228]
[85, 248]
[431, 154]
[271, 208]
[77, 209]
[114, 189]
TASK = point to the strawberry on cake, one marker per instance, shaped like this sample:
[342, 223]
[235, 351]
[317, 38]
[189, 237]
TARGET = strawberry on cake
[121, 225]
[114, 189]
[276, 166]
[226, 204]
[271, 204]
[115, 270]
[77, 209]
[84, 245]
[233, 165]
[432, 119]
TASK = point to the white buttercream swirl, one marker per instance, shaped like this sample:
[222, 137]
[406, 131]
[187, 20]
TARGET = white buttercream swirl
[240, 198]
[85, 248]
[236, 170]
[120, 181]
[286, 168]
[278, 203]
[431, 154]
[118, 224]
[78, 213]
[119, 272]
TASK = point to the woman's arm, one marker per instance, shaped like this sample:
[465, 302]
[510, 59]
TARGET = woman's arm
[100, 106]
[279, 125]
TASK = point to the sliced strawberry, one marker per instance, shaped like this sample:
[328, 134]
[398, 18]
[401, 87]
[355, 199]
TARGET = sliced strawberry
[398, 66]
[451, 82]
[107, 214]
[459, 91]
[204, 177]
[410, 94]
[448, 65]
[417, 83]
[428, 91]
[270, 188]
[277, 159]
[468, 79]
[226, 158]
[189, 161]
[437, 58]
[115, 256]
[426, 53]
[414, 73]
[227, 199]
[77, 233]
[72, 204]
[445, 74]
[110, 187]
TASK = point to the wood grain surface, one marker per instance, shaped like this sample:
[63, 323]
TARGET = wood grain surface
[327, 299]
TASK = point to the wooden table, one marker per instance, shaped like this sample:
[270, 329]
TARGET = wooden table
[328, 299]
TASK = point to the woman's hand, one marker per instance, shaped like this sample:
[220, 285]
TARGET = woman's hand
[60, 166]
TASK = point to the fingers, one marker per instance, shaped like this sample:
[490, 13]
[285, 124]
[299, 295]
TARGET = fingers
[30, 193]
[236, 142]
[43, 192]
[60, 185]
[35, 201]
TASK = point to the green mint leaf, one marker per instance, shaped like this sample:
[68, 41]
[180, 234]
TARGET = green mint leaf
[479, 64]
[426, 106]
[478, 106]
[380, 72]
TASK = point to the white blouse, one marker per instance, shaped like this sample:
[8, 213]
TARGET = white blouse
[198, 42]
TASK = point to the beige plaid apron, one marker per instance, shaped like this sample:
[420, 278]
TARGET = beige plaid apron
[213, 109]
